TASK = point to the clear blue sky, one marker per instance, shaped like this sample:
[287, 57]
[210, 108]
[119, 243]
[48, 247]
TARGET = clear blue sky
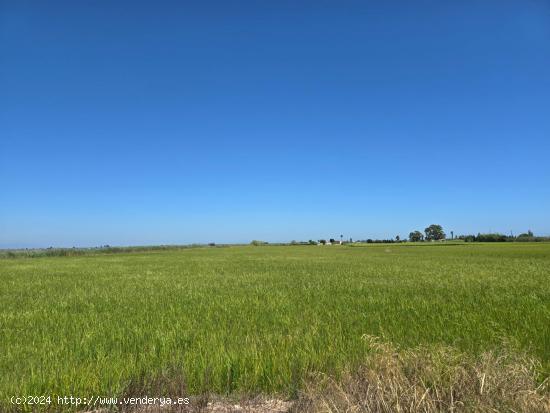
[177, 122]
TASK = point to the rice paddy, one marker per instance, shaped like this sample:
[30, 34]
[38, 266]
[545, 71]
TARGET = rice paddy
[259, 319]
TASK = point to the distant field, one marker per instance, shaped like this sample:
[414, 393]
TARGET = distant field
[258, 319]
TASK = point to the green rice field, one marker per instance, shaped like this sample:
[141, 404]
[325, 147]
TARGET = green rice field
[258, 318]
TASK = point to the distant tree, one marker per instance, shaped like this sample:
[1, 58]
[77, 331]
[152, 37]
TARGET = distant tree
[323, 241]
[256, 242]
[293, 242]
[311, 242]
[369, 241]
[528, 236]
[416, 236]
[397, 238]
[434, 232]
[332, 241]
[491, 238]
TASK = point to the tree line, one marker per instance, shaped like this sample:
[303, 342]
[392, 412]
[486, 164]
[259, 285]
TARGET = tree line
[431, 233]
[497, 237]
[435, 233]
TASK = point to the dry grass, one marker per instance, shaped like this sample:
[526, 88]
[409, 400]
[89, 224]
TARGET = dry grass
[430, 380]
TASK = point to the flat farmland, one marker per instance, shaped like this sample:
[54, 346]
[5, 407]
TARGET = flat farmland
[259, 319]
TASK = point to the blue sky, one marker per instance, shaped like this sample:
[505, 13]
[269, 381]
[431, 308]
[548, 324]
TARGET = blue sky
[130, 123]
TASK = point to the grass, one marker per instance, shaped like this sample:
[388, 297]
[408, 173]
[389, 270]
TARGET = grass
[259, 319]
[430, 380]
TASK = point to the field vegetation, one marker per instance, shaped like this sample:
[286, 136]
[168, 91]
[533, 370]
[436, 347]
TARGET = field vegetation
[266, 319]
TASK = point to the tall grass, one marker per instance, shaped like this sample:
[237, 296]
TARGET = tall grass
[430, 380]
[260, 320]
